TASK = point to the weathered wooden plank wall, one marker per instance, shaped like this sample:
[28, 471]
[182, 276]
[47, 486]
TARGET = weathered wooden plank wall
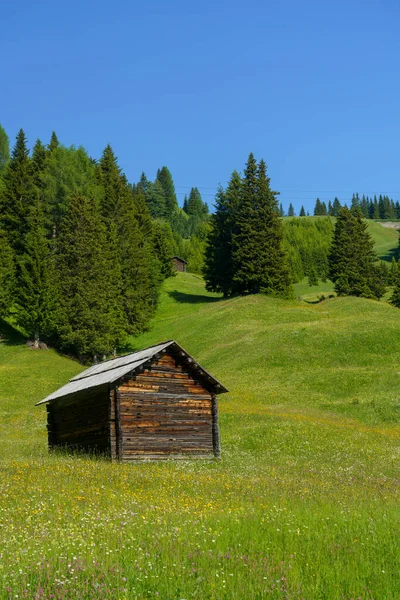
[81, 423]
[164, 411]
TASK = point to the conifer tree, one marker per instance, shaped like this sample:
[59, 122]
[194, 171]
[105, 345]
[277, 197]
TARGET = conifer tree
[259, 261]
[291, 212]
[281, 211]
[352, 261]
[18, 194]
[302, 211]
[336, 207]
[54, 143]
[4, 149]
[312, 276]
[7, 275]
[89, 322]
[35, 295]
[395, 298]
[165, 178]
[218, 266]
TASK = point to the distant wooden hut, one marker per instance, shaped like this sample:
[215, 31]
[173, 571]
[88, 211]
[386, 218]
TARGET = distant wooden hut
[154, 404]
[179, 264]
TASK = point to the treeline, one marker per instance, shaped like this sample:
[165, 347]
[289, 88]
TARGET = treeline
[83, 252]
[378, 207]
[248, 250]
[307, 243]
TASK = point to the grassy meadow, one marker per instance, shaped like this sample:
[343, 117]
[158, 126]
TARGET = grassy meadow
[304, 503]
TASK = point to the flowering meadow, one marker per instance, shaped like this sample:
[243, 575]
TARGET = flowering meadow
[304, 503]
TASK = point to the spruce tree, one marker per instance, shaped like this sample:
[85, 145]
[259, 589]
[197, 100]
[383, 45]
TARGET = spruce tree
[302, 211]
[291, 212]
[89, 322]
[395, 298]
[18, 194]
[281, 211]
[336, 207]
[218, 266]
[4, 149]
[353, 263]
[35, 296]
[165, 178]
[54, 143]
[312, 276]
[259, 260]
[7, 275]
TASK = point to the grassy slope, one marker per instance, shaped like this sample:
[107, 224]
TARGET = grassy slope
[302, 505]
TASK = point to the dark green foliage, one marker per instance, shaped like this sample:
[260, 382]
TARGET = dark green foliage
[165, 178]
[35, 296]
[164, 246]
[291, 212]
[156, 200]
[312, 276]
[7, 275]
[4, 149]
[281, 211]
[352, 261]
[258, 257]
[54, 143]
[302, 211]
[395, 298]
[18, 194]
[307, 243]
[320, 208]
[89, 322]
[336, 207]
[218, 267]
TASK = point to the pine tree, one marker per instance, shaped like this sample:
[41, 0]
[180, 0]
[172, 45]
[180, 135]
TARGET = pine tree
[35, 296]
[336, 206]
[302, 211]
[218, 267]
[165, 178]
[18, 194]
[281, 211]
[163, 242]
[291, 212]
[4, 149]
[137, 263]
[259, 260]
[330, 209]
[395, 298]
[156, 201]
[54, 143]
[317, 207]
[7, 275]
[89, 323]
[352, 261]
[312, 277]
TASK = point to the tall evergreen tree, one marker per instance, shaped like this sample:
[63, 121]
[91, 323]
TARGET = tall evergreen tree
[54, 143]
[218, 267]
[18, 194]
[165, 178]
[302, 211]
[259, 260]
[353, 263]
[7, 275]
[336, 206]
[281, 211]
[395, 298]
[4, 149]
[291, 212]
[35, 296]
[89, 322]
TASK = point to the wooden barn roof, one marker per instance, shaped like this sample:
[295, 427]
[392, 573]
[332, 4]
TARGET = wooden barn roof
[111, 370]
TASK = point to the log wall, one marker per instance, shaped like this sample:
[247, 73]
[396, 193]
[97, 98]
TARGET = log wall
[81, 423]
[165, 412]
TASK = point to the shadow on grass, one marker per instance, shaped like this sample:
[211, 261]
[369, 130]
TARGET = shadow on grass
[192, 298]
[393, 253]
[9, 335]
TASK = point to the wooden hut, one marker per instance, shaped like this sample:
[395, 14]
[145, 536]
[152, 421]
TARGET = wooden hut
[154, 404]
[179, 264]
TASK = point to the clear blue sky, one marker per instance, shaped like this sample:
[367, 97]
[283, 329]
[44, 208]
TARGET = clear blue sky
[313, 87]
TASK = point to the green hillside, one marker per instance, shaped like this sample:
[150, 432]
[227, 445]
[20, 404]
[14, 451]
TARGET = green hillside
[303, 504]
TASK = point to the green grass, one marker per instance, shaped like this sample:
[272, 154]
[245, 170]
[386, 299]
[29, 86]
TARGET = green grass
[303, 504]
